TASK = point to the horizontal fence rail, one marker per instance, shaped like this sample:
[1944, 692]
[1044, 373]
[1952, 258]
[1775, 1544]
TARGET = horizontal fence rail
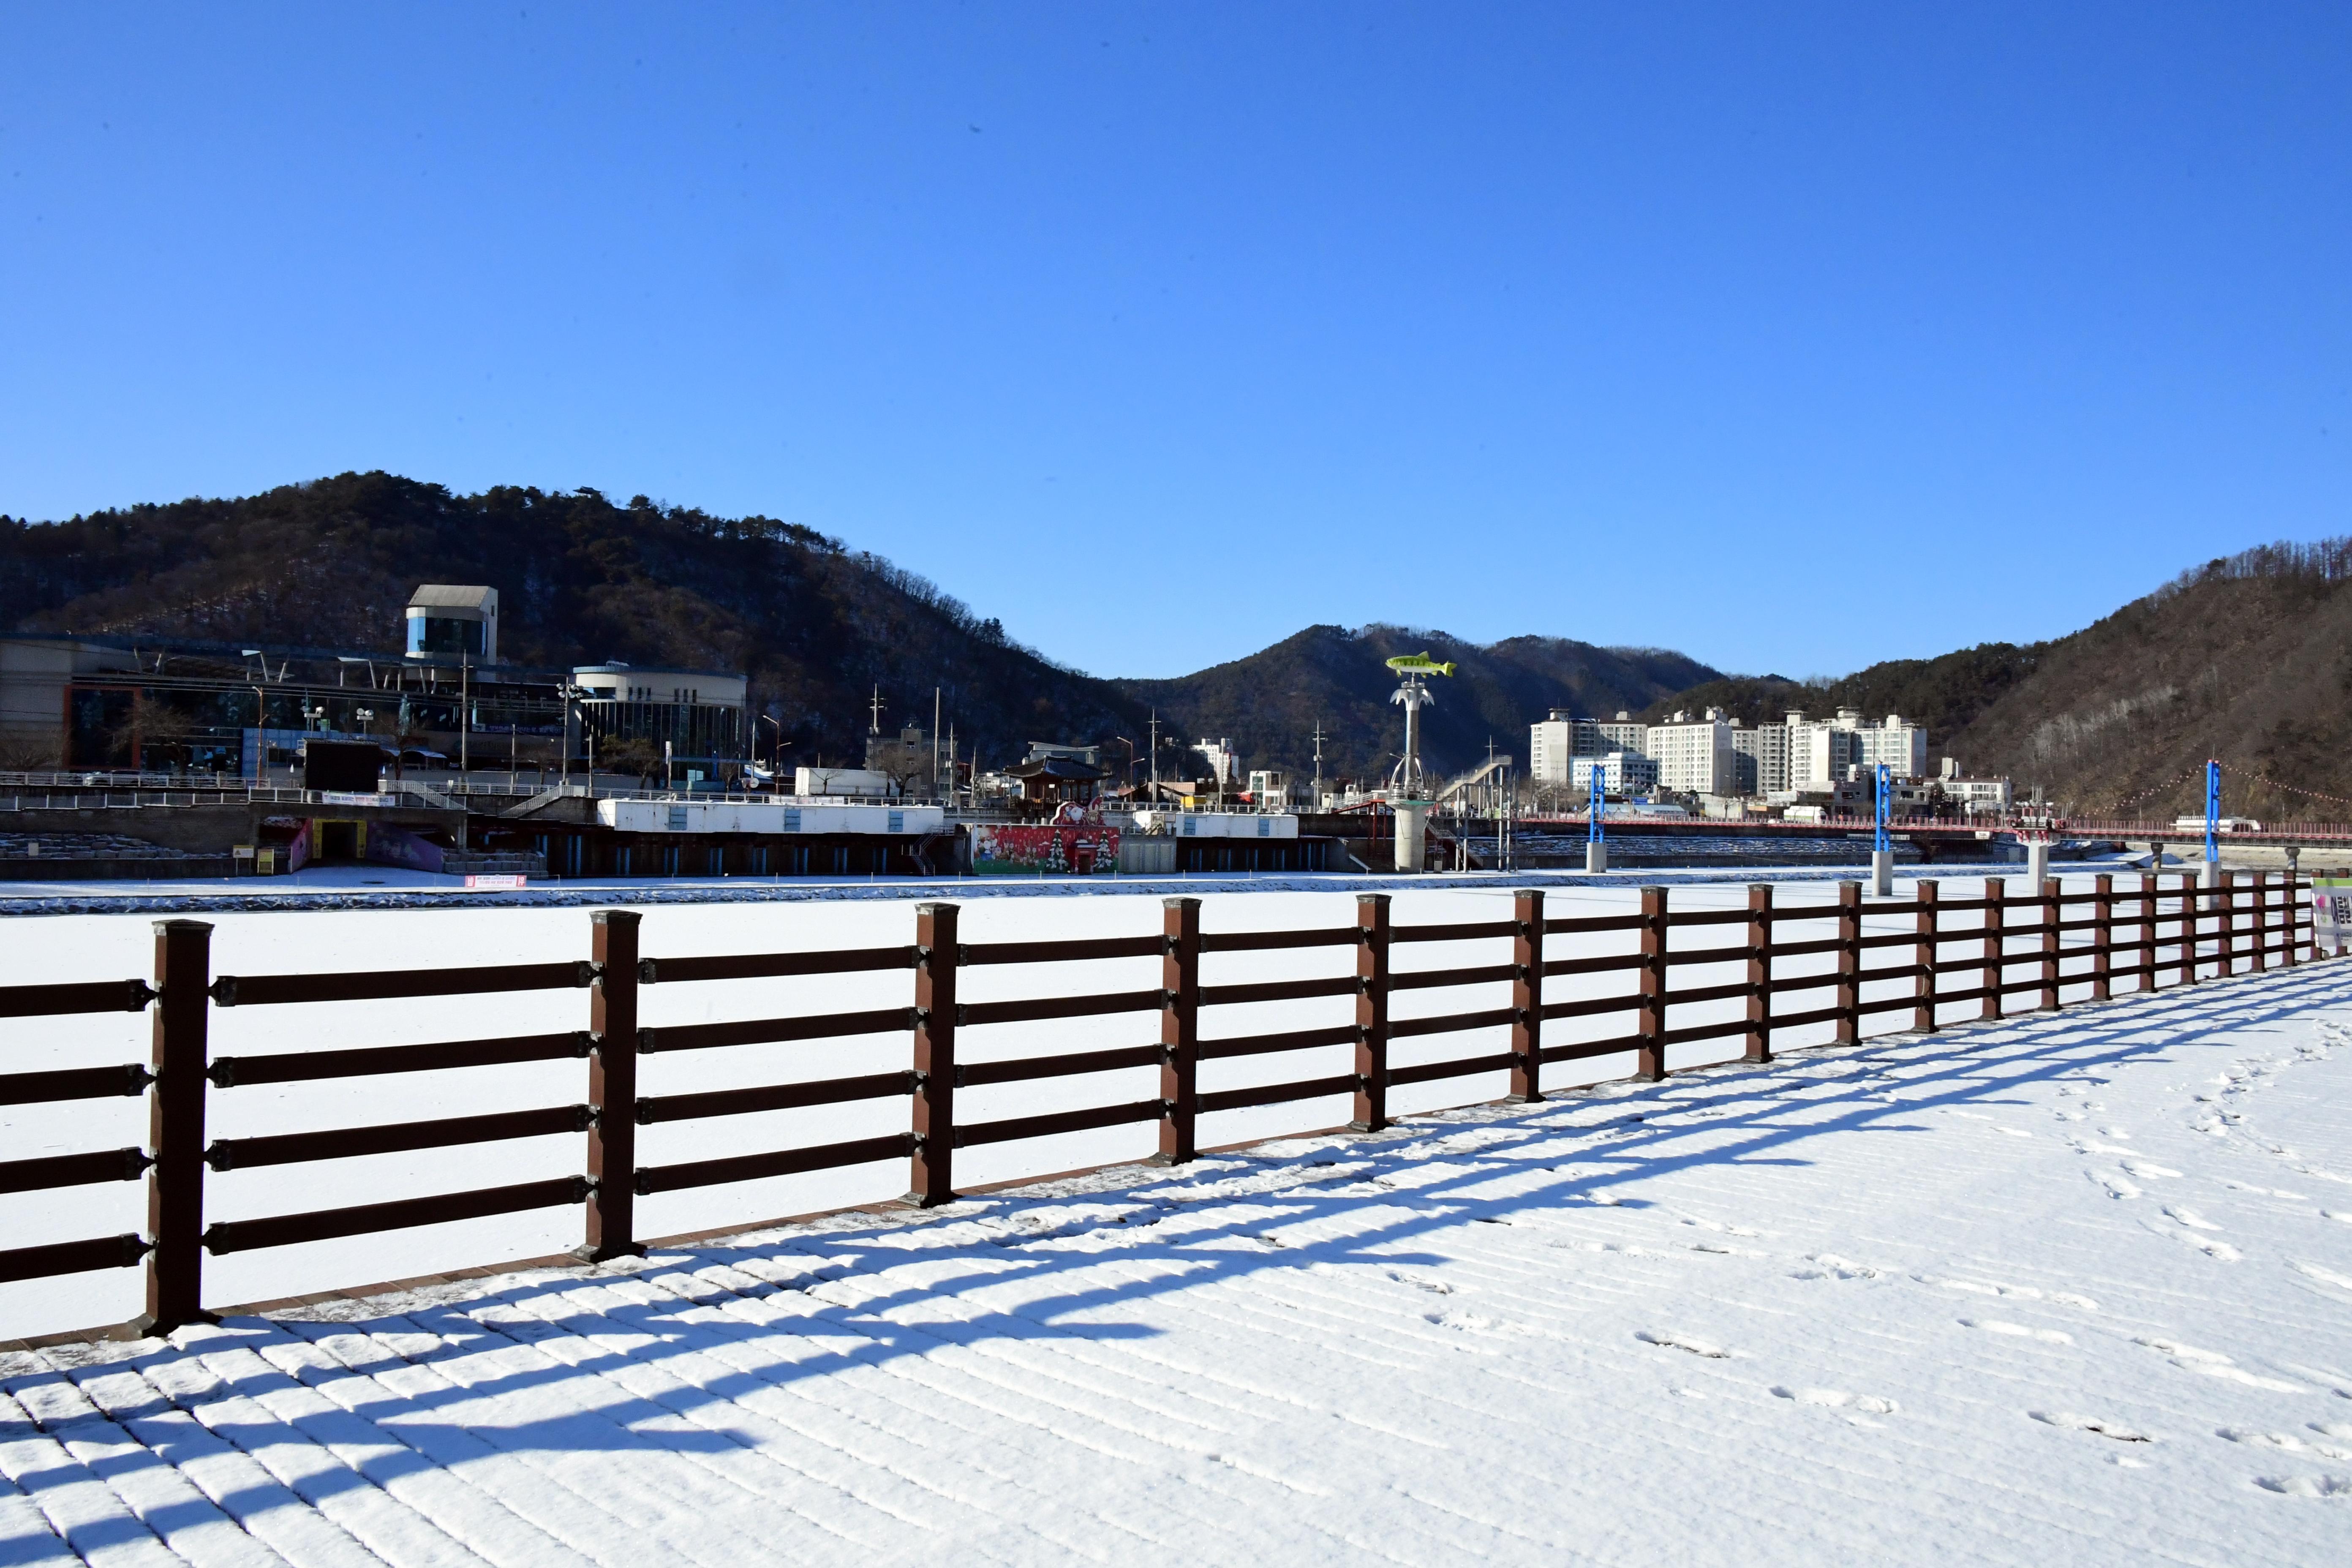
[1990, 954]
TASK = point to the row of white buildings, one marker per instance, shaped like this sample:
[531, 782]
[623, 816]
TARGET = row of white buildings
[1710, 754]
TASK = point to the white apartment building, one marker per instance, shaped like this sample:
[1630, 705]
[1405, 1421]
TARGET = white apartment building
[1695, 755]
[1224, 763]
[1902, 746]
[1975, 797]
[1553, 745]
[1623, 735]
[1621, 773]
[1763, 754]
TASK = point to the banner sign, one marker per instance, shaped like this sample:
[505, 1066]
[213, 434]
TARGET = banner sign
[2331, 912]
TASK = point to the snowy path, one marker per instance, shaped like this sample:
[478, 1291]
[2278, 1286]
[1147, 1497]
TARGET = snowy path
[2064, 1290]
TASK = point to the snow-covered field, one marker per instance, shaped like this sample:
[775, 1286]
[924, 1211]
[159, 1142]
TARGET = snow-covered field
[2069, 1289]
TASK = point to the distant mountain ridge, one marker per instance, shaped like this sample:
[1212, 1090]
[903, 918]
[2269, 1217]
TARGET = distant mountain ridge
[2247, 659]
[1270, 703]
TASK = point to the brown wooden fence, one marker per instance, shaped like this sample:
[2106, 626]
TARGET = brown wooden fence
[2180, 934]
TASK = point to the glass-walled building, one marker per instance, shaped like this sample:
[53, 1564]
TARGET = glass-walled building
[699, 713]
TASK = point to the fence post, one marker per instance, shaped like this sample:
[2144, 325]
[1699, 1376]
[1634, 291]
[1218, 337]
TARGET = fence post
[613, 1089]
[2229, 924]
[1760, 972]
[2051, 890]
[2103, 936]
[2190, 920]
[175, 1128]
[2147, 901]
[1650, 1055]
[1180, 1030]
[1849, 958]
[1371, 1013]
[2262, 921]
[2292, 906]
[1527, 997]
[1922, 956]
[930, 1175]
[1996, 926]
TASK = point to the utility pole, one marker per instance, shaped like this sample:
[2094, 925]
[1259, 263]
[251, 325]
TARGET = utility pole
[1315, 801]
[935, 739]
[464, 714]
[876, 727]
[1155, 759]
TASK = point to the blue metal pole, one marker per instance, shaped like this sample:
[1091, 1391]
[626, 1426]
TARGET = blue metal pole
[1592, 832]
[2213, 810]
[1880, 845]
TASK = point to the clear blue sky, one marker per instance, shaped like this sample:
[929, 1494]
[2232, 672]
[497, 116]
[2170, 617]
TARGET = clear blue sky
[1791, 337]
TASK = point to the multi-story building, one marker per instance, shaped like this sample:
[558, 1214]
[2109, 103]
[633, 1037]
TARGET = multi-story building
[1901, 745]
[1623, 735]
[1695, 755]
[164, 705]
[1621, 773]
[1762, 756]
[1224, 763]
[1557, 741]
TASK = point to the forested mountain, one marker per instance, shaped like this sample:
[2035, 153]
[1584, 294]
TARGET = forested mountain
[331, 564]
[2248, 659]
[1270, 703]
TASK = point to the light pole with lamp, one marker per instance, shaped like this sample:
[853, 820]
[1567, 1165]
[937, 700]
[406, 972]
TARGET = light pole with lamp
[260, 723]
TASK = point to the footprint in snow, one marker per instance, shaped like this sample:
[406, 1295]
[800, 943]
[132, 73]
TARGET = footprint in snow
[2018, 1330]
[1830, 1266]
[2022, 1292]
[2148, 1172]
[2213, 1363]
[2098, 1426]
[1686, 1342]
[2324, 1276]
[2117, 1184]
[1837, 1399]
[2284, 1442]
[2306, 1486]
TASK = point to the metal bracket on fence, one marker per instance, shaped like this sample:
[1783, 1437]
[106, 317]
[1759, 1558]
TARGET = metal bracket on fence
[138, 993]
[135, 1164]
[581, 1187]
[583, 1043]
[584, 1116]
[644, 1118]
[646, 1045]
[217, 1156]
[224, 991]
[646, 975]
[135, 1080]
[586, 972]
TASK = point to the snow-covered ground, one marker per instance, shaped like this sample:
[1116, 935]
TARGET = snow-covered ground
[2068, 1289]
